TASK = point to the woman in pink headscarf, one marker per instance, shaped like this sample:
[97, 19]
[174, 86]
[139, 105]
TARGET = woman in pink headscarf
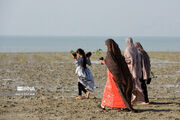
[146, 69]
[133, 59]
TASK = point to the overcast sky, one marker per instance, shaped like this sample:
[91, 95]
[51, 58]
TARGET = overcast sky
[90, 17]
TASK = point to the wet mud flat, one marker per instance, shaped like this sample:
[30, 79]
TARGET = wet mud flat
[42, 86]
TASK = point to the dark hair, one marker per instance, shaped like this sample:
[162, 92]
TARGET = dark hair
[88, 54]
[101, 58]
[81, 52]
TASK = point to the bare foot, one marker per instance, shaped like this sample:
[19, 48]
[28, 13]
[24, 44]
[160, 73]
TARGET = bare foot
[145, 103]
[87, 95]
[133, 101]
[79, 97]
[102, 107]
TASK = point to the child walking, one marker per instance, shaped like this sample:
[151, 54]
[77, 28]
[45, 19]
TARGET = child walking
[85, 77]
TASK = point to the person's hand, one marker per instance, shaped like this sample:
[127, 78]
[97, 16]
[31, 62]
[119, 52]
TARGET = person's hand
[74, 57]
[102, 62]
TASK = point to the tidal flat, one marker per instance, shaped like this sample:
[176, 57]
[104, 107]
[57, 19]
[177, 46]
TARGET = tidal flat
[43, 86]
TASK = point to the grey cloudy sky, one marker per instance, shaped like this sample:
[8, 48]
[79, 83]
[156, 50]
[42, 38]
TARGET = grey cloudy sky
[90, 17]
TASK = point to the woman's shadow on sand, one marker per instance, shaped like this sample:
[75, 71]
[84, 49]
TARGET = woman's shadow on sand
[155, 104]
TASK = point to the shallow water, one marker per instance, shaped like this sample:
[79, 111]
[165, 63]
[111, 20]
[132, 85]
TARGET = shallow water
[167, 76]
[64, 43]
[51, 70]
[7, 79]
[163, 61]
[177, 91]
[57, 62]
[95, 62]
[165, 85]
[19, 83]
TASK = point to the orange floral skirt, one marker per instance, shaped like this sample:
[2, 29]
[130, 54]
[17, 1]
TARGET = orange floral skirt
[112, 97]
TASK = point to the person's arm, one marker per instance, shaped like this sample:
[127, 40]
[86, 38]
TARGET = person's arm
[102, 62]
[74, 57]
[78, 62]
[89, 61]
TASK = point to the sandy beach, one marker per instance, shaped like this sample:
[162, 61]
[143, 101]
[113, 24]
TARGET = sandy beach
[43, 86]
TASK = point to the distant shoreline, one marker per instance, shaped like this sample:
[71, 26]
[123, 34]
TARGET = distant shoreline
[86, 51]
[88, 43]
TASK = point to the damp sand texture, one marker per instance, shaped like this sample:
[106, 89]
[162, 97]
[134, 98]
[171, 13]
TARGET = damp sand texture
[43, 86]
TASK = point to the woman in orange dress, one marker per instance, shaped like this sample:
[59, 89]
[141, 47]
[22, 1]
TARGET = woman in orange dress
[118, 89]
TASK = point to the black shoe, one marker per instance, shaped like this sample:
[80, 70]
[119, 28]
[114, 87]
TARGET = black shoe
[134, 111]
[125, 110]
[148, 81]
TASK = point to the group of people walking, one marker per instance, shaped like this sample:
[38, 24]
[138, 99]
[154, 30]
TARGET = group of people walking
[127, 75]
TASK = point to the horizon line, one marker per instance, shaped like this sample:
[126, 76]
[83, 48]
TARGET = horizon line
[87, 36]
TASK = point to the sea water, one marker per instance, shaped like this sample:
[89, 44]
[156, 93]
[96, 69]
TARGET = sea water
[88, 43]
